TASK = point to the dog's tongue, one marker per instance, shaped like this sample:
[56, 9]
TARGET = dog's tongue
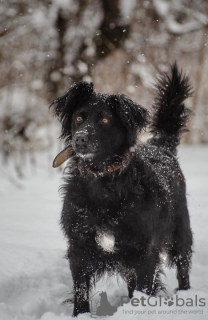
[62, 157]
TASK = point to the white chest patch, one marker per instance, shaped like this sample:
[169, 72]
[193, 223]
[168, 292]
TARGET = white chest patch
[105, 240]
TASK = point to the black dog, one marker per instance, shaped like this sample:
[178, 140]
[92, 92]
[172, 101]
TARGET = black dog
[124, 201]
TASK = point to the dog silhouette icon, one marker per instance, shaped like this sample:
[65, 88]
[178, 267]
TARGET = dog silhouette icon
[105, 308]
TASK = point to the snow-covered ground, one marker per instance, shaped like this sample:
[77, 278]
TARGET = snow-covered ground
[34, 275]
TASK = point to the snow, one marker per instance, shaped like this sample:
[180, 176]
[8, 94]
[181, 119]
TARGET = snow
[179, 29]
[127, 7]
[163, 9]
[143, 71]
[34, 275]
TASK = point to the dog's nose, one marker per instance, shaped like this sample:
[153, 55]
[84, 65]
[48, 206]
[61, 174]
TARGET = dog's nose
[81, 138]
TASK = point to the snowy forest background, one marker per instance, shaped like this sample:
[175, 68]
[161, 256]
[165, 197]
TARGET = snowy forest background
[120, 45]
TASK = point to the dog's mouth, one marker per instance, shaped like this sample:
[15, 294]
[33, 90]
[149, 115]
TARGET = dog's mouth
[85, 151]
[71, 150]
[86, 155]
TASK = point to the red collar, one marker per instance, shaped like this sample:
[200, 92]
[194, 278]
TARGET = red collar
[114, 167]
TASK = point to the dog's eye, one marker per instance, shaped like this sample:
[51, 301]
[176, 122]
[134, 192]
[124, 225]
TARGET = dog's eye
[79, 119]
[105, 120]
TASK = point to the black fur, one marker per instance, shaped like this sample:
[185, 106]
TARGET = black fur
[134, 193]
[170, 114]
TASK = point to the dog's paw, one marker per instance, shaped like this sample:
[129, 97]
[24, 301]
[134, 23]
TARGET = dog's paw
[179, 289]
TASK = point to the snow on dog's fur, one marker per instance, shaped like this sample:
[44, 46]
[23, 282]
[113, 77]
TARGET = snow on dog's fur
[124, 201]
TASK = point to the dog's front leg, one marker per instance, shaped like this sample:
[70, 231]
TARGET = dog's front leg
[81, 295]
[81, 274]
[131, 283]
[148, 273]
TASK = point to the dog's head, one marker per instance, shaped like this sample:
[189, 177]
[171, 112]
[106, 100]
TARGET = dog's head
[98, 125]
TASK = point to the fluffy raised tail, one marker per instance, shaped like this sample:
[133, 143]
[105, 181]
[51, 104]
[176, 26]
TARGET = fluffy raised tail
[169, 112]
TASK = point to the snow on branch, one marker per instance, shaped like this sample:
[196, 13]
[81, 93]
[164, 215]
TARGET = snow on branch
[169, 11]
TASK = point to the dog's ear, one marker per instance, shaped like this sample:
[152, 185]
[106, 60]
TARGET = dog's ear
[133, 116]
[64, 107]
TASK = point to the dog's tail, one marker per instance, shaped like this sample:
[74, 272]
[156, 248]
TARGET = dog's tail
[169, 112]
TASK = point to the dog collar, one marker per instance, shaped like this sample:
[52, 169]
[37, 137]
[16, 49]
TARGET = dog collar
[114, 166]
[68, 151]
